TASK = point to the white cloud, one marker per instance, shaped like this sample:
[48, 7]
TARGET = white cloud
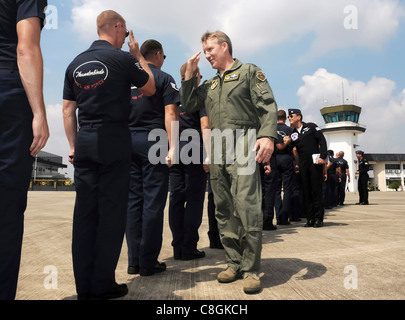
[254, 24]
[382, 111]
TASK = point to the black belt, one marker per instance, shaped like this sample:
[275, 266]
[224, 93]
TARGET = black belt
[98, 124]
[8, 65]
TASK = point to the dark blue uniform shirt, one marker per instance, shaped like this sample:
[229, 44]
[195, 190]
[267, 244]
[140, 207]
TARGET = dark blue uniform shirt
[342, 163]
[11, 12]
[148, 113]
[282, 131]
[310, 141]
[100, 79]
[333, 166]
[190, 120]
[364, 167]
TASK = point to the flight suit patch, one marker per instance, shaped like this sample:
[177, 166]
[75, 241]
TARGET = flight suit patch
[231, 77]
[261, 76]
[214, 84]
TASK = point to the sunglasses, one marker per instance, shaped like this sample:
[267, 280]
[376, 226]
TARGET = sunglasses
[164, 56]
[126, 32]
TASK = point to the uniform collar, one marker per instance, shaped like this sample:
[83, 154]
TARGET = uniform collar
[236, 65]
[101, 43]
[152, 66]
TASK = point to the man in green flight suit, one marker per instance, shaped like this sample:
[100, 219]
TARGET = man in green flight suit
[240, 105]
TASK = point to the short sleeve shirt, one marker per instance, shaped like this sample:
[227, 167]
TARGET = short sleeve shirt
[100, 79]
[12, 12]
[190, 120]
[342, 163]
[148, 113]
[282, 131]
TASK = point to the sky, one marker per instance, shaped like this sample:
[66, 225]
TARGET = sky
[315, 53]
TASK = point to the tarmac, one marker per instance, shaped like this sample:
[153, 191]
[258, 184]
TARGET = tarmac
[359, 254]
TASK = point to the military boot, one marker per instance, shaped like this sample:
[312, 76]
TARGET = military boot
[251, 283]
[228, 275]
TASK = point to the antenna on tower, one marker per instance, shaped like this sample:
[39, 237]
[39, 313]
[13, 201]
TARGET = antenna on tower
[343, 93]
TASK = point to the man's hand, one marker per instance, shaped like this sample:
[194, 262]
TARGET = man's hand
[321, 161]
[267, 168]
[192, 66]
[206, 164]
[71, 157]
[41, 134]
[134, 46]
[171, 158]
[287, 140]
[266, 149]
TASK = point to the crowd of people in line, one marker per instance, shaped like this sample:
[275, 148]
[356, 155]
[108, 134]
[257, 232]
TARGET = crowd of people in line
[114, 102]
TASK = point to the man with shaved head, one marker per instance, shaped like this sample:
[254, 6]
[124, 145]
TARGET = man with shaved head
[98, 84]
[345, 177]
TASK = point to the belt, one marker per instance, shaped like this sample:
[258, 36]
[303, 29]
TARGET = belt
[98, 124]
[8, 65]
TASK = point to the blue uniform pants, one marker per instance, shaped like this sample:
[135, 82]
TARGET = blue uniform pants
[269, 185]
[331, 190]
[187, 191]
[311, 176]
[342, 189]
[102, 162]
[15, 172]
[285, 169]
[146, 202]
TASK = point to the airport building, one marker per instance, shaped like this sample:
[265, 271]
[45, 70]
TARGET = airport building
[342, 128]
[45, 172]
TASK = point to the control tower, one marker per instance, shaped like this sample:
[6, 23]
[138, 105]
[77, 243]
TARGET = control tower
[341, 131]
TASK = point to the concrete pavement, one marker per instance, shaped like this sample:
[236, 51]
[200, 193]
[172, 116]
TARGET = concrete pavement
[359, 254]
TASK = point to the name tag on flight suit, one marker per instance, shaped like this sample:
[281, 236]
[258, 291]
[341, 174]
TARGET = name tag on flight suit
[231, 77]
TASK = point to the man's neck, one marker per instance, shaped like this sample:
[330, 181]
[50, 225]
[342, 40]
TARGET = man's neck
[152, 63]
[298, 126]
[109, 39]
[226, 66]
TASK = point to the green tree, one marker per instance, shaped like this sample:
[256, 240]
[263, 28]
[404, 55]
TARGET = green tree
[394, 184]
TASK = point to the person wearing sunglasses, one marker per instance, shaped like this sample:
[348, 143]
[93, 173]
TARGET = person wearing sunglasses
[310, 151]
[98, 85]
[149, 180]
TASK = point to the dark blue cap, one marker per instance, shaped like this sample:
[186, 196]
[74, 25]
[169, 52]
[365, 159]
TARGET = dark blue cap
[294, 111]
[360, 152]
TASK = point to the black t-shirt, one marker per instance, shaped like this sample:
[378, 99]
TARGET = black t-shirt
[333, 165]
[282, 131]
[148, 113]
[190, 120]
[12, 12]
[364, 167]
[342, 163]
[310, 141]
[100, 79]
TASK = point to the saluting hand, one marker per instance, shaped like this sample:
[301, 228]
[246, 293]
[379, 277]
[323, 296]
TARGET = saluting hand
[134, 46]
[192, 66]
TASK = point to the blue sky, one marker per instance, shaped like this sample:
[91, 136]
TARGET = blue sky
[302, 46]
